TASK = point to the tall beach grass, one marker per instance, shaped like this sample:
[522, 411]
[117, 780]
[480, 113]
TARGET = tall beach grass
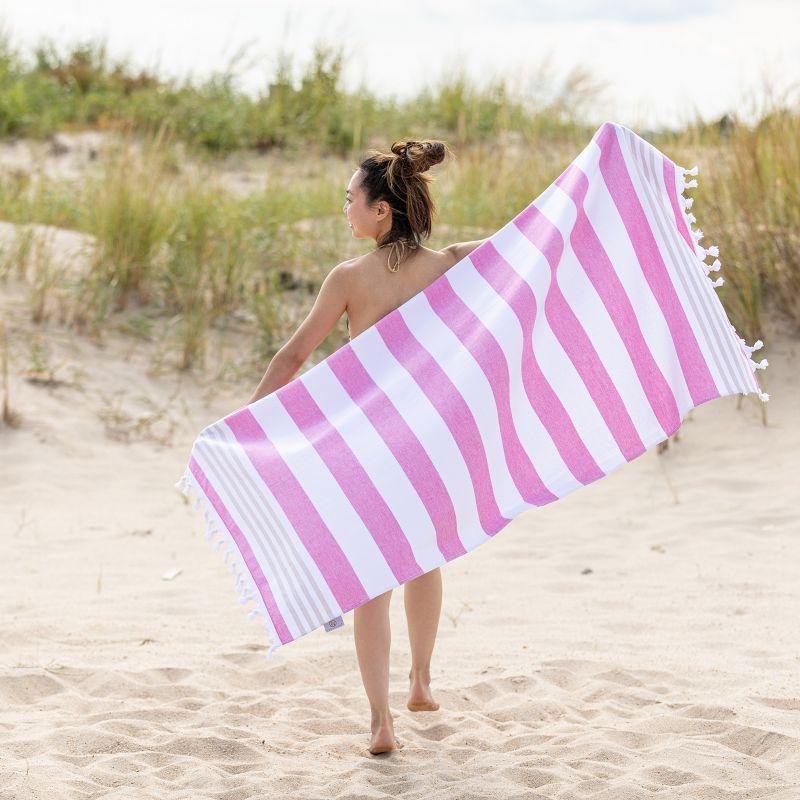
[179, 251]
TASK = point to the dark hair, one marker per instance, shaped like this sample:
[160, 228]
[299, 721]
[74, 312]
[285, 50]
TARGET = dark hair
[397, 178]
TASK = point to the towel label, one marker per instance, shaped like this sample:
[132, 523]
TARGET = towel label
[333, 624]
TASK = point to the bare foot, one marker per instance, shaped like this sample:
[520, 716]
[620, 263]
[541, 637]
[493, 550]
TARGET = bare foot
[419, 695]
[383, 740]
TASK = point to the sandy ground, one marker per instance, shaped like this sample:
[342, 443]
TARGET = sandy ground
[638, 637]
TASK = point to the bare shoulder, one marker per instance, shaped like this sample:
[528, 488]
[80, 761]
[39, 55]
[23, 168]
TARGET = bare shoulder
[348, 280]
[354, 270]
[359, 262]
[343, 273]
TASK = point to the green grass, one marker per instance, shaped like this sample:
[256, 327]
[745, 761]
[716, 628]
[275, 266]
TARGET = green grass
[78, 85]
[177, 253]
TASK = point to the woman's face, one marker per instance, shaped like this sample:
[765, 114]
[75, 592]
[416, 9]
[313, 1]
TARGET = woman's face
[364, 221]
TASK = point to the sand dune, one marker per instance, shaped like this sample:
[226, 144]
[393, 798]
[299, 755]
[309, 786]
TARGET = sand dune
[638, 637]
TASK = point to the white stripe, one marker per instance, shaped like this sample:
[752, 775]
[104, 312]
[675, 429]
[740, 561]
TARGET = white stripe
[555, 364]
[379, 463]
[456, 361]
[480, 296]
[595, 319]
[326, 495]
[613, 236]
[429, 428]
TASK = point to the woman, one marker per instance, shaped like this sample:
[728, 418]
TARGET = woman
[387, 200]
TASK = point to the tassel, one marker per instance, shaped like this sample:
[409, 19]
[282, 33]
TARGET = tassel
[691, 218]
[690, 184]
[711, 251]
[715, 266]
[757, 346]
[688, 202]
[718, 282]
[697, 235]
[692, 171]
[763, 364]
[763, 396]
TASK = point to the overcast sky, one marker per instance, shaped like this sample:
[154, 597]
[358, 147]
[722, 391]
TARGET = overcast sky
[660, 59]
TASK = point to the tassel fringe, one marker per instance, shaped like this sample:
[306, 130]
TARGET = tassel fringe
[703, 253]
[243, 583]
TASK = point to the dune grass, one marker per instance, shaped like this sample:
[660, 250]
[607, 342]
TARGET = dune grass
[178, 253]
[78, 85]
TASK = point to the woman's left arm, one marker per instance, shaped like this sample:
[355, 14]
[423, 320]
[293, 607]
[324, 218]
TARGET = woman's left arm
[330, 304]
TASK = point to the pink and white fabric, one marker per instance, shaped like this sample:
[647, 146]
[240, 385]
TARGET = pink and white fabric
[575, 338]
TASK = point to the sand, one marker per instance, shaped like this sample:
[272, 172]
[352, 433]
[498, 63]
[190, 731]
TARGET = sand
[638, 637]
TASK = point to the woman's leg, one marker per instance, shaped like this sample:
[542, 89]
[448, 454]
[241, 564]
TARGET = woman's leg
[373, 638]
[423, 602]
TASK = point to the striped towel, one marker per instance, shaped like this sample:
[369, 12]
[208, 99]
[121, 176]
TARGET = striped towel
[572, 340]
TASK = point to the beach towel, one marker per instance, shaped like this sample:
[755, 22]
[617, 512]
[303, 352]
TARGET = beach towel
[568, 343]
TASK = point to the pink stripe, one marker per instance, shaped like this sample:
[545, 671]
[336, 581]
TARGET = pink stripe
[479, 340]
[353, 478]
[452, 408]
[304, 517]
[670, 178]
[244, 548]
[572, 337]
[519, 296]
[615, 173]
[400, 439]
[597, 265]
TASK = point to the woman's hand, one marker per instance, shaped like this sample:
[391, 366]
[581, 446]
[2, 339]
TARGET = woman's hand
[461, 250]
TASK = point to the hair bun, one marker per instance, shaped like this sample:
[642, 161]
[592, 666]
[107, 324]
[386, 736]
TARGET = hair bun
[419, 156]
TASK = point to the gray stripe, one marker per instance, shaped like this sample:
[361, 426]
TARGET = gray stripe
[712, 301]
[203, 446]
[278, 534]
[283, 538]
[677, 250]
[240, 484]
[723, 327]
[670, 242]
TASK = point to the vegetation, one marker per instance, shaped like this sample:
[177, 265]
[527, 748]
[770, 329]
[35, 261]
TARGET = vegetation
[178, 251]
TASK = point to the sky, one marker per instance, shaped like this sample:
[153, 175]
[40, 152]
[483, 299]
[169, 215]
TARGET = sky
[660, 61]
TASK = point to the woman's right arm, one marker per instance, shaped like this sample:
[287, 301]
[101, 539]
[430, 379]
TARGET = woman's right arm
[330, 304]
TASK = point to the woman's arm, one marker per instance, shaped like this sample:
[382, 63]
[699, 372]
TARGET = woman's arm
[328, 308]
[461, 250]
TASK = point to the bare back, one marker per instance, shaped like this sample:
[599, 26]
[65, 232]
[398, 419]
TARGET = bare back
[375, 290]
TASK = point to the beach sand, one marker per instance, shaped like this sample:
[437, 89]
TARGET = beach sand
[638, 637]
